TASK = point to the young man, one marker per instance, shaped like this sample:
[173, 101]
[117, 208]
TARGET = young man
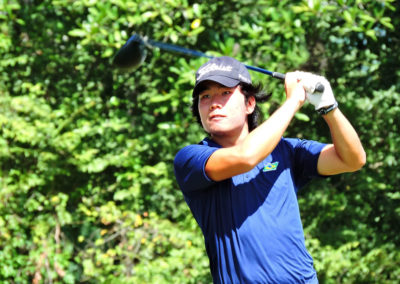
[241, 182]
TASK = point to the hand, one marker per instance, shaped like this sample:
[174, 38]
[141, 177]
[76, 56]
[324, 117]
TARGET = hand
[319, 100]
[294, 87]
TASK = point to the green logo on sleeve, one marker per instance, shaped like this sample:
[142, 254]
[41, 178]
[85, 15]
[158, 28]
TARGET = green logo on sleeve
[270, 167]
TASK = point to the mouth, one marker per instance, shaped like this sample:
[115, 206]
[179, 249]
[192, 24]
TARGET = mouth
[216, 116]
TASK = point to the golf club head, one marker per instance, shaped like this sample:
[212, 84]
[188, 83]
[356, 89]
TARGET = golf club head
[131, 54]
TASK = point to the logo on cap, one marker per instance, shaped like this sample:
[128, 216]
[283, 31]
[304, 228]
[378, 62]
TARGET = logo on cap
[213, 67]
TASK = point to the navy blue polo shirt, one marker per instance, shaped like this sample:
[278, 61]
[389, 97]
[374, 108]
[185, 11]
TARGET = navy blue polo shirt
[251, 222]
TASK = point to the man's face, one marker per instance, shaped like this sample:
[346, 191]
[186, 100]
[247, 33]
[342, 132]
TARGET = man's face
[223, 110]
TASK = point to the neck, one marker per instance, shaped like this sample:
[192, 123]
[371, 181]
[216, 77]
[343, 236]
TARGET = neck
[228, 139]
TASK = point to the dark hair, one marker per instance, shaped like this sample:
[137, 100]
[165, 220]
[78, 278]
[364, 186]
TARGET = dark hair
[249, 90]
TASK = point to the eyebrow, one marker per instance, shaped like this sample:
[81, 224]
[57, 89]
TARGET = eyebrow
[209, 88]
[219, 86]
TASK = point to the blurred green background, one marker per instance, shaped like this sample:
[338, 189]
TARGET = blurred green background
[87, 188]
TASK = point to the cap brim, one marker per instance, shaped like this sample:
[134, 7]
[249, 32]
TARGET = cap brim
[223, 80]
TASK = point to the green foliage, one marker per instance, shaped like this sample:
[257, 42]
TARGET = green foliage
[87, 188]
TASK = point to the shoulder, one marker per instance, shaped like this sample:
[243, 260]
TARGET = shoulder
[189, 164]
[293, 142]
[195, 152]
[300, 151]
[287, 145]
[297, 144]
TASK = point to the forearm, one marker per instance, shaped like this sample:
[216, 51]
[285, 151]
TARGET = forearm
[345, 139]
[258, 144]
[245, 153]
[263, 140]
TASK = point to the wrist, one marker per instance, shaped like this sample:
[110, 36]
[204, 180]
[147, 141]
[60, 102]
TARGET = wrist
[293, 103]
[328, 109]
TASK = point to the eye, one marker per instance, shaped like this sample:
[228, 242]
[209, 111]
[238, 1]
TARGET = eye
[226, 92]
[204, 96]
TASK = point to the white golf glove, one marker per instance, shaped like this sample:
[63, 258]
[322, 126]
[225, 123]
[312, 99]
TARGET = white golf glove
[322, 101]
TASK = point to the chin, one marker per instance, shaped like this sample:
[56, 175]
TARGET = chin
[217, 131]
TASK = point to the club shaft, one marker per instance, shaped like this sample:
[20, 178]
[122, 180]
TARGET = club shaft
[273, 74]
[191, 52]
[175, 48]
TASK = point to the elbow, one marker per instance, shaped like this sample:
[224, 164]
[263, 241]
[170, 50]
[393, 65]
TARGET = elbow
[248, 160]
[248, 165]
[359, 162]
[362, 159]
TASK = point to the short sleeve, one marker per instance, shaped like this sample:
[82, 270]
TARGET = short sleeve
[189, 167]
[305, 159]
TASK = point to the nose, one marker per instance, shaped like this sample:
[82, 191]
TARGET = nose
[215, 103]
[214, 106]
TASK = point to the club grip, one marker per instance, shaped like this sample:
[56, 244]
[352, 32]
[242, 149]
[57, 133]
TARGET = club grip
[278, 75]
[318, 88]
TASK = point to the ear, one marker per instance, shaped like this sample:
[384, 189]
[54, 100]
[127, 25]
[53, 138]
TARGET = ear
[250, 105]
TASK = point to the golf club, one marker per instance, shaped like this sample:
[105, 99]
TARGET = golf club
[132, 54]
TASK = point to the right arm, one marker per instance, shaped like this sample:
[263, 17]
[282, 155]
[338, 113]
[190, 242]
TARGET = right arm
[258, 144]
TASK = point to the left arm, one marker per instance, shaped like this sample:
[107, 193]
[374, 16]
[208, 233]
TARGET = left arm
[346, 154]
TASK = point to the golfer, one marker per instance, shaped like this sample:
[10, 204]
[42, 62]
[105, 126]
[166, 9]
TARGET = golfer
[241, 181]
